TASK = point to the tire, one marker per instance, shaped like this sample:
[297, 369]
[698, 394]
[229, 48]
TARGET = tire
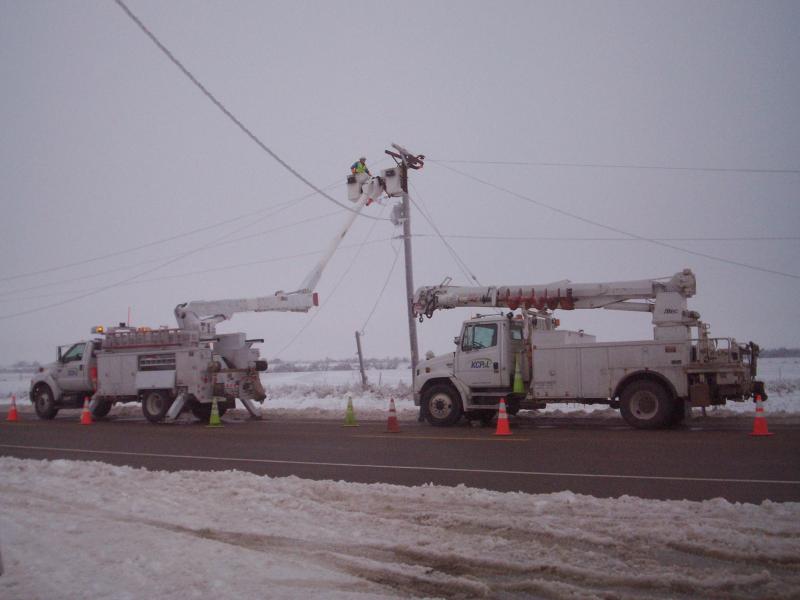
[44, 402]
[102, 409]
[155, 405]
[202, 412]
[442, 405]
[646, 404]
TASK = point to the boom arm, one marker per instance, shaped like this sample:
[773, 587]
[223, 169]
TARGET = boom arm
[203, 315]
[665, 298]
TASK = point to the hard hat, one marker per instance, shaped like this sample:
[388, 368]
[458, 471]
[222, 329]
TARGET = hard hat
[363, 158]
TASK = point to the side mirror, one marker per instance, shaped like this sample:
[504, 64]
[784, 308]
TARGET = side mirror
[59, 354]
[457, 340]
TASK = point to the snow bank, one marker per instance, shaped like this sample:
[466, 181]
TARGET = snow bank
[73, 529]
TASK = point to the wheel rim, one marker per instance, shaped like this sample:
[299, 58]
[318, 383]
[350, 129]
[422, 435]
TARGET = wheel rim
[441, 406]
[154, 404]
[644, 405]
[42, 401]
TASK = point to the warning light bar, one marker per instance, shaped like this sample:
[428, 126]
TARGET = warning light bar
[98, 329]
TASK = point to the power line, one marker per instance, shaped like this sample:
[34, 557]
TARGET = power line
[616, 229]
[269, 210]
[618, 166]
[221, 242]
[228, 113]
[333, 290]
[207, 271]
[383, 289]
[461, 264]
[765, 238]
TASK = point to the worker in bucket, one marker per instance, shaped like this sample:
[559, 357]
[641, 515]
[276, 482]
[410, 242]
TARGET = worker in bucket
[360, 166]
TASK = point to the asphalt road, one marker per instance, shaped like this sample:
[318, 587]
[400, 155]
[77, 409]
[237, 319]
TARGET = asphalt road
[706, 460]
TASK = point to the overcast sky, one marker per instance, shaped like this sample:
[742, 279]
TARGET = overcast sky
[106, 146]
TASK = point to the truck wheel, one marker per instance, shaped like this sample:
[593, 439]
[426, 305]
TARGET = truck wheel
[155, 406]
[102, 409]
[645, 404]
[442, 405]
[202, 412]
[44, 403]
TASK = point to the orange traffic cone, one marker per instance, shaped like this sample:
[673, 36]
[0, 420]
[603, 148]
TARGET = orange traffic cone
[392, 426]
[760, 422]
[86, 415]
[502, 420]
[12, 414]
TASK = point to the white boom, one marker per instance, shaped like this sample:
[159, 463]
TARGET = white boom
[665, 298]
[203, 315]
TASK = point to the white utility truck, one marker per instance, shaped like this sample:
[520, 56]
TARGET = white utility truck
[654, 382]
[169, 370]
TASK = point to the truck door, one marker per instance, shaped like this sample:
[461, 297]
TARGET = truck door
[479, 359]
[72, 375]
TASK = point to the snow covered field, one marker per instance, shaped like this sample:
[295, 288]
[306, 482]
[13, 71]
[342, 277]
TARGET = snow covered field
[90, 530]
[73, 529]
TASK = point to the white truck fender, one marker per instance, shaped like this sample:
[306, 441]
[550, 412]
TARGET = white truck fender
[47, 379]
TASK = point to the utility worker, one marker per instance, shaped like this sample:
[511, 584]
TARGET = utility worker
[360, 166]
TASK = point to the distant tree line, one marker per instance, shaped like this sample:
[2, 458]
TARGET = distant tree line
[329, 364]
[21, 366]
[780, 353]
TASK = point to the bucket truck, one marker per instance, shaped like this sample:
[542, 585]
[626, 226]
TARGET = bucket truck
[168, 370]
[654, 383]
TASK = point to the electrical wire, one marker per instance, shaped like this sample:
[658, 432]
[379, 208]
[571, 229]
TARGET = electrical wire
[383, 289]
[771, 238]
[270, 210]
[617, 166]
[616, 229]
[333, 290]
[228, 113]
[461, 264]
[207, 271]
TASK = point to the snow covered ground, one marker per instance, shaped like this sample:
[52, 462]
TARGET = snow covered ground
[324, 394]
[73, 529]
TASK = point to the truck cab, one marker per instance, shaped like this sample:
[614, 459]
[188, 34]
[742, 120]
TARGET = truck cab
[67, 381]
[481, 370]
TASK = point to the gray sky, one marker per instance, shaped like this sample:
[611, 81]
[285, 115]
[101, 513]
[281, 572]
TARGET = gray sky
[107, 146]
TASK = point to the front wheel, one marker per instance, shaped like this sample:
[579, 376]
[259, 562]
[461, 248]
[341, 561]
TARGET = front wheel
[155, 406]
[44, 402]
[646, 404]
[442, 405]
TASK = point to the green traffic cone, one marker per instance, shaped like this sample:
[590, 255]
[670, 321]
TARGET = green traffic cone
[214, 421]
[350, 415]
[518, 387]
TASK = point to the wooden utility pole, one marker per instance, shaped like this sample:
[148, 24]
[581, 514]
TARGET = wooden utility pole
[361, 361]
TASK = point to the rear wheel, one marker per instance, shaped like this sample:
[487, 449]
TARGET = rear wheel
[102, 408]
[44, 402]
[155, 405]
[202, 412]
[442, 405]
[646, 404]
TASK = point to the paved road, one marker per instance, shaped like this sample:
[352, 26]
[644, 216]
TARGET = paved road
[605, 459]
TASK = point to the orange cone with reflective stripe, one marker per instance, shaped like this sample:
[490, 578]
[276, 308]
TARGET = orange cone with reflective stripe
[392, 426]
[86, 415]
[502, 420]
[12, 414]
[760, 423]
